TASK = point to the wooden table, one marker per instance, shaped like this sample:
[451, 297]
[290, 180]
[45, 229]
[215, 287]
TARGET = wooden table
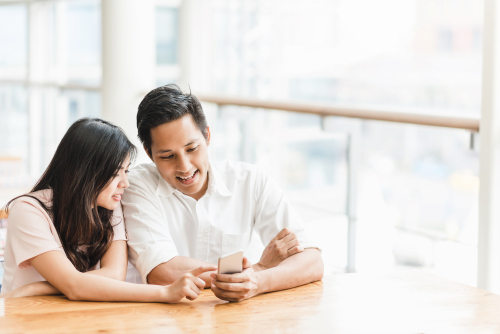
[407, 301]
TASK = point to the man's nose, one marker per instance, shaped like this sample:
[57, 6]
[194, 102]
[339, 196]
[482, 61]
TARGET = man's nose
[184, 165]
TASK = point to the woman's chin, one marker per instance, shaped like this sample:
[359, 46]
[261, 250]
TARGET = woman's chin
[110, 206]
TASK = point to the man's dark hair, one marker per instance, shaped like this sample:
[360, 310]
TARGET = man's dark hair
[166, 104]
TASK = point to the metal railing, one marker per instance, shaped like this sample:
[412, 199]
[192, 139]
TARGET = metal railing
[389, 114]
[401, 115]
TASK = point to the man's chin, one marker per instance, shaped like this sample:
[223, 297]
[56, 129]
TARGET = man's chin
[190, 189]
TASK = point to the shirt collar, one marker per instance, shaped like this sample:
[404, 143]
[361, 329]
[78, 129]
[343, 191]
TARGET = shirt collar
[215, 183]
[164, 188]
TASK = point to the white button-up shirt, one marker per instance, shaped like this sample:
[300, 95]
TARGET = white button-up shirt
[162, 222]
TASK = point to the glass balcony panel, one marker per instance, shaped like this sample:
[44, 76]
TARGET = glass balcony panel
[83, 41]
[14, 139]
[167, 35]
[13, 38]
[310, 165]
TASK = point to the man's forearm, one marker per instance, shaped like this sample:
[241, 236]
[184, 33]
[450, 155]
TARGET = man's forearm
[166, 273]
[296, 270]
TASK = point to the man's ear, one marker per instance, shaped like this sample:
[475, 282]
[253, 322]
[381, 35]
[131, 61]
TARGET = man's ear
[207, 132]
[148, 152]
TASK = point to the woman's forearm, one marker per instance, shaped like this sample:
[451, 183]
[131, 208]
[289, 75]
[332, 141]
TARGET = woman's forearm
[95, 288]
[59, 272]
[33, 289]
[100, 288]
[44, 288]
[108, 272]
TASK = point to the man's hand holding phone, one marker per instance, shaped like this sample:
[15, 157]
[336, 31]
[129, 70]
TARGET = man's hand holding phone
[236, 287]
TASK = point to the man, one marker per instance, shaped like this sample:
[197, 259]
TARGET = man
[183, 211]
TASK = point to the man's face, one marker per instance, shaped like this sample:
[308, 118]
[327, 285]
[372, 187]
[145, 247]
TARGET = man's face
[179, 150]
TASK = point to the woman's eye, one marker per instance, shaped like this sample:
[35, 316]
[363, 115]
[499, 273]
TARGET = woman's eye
[126, 171]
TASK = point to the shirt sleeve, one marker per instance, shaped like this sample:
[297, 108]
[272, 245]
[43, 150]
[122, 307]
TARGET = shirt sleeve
[29, 232]
[118, 224]
[149, 239]
[273, 213]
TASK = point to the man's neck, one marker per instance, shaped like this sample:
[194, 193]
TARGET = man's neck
[202, 191]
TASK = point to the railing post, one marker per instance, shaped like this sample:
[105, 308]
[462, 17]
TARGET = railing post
[352, 129]
[351, 207]
[488, 266]
[474, 141]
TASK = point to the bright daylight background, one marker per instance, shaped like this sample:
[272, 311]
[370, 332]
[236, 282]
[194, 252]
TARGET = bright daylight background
[417, 186]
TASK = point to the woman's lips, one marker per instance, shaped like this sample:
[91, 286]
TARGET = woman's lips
[117, 197]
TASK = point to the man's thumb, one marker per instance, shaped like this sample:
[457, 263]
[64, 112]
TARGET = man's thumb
[246, 263]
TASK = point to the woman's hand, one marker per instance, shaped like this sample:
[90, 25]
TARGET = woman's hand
[32, 289]
[188, 285]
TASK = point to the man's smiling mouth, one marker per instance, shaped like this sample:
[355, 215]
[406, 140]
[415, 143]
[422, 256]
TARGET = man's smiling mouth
[188, 177]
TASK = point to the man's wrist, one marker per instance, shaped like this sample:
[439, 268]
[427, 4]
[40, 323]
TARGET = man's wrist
[262, 282]
[258, 267]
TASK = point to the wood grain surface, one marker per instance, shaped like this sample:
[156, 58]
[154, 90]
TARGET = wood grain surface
[406, 301]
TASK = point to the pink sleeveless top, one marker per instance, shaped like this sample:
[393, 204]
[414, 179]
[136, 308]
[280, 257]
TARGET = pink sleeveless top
[31, 232]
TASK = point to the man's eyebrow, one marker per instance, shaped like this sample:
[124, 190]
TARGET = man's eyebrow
[192, 141]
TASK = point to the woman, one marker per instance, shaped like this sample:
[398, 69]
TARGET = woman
[68, 236]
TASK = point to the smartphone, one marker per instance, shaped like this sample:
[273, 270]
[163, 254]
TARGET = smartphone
[231, 264]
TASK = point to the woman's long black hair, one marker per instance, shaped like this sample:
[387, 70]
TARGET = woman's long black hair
[88, 157]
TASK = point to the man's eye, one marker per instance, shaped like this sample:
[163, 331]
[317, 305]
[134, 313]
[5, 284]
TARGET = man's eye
[193, 149]
[166, 158]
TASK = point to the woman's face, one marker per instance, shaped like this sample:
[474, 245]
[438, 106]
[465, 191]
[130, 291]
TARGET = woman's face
[109, 198]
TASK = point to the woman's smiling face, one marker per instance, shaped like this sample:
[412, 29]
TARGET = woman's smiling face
[109, 198]
[180, 152]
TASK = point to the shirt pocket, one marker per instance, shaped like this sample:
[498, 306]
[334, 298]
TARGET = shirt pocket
[232, 243]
